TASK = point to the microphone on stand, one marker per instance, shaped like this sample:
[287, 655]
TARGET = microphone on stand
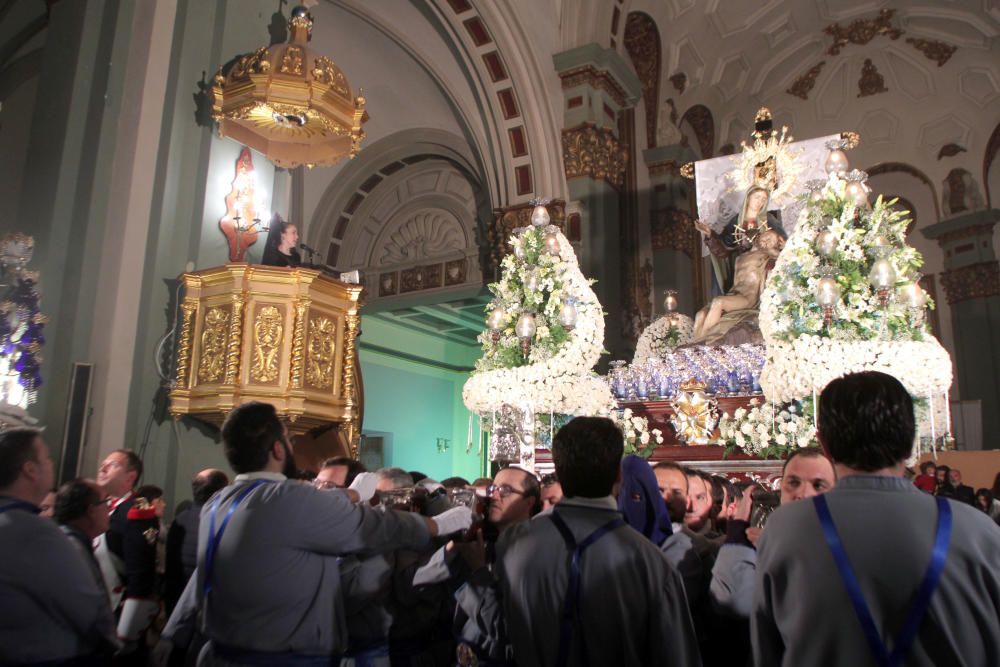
[308, 249]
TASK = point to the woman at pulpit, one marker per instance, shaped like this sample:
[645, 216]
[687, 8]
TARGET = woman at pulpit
[282, 241]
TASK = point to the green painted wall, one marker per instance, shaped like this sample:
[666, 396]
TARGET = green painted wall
[413, 395]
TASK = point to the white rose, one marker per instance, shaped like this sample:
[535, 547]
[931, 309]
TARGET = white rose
[747, 428]
[644, 438]
[781, 439]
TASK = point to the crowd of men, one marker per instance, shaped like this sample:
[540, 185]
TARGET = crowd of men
[608, 561]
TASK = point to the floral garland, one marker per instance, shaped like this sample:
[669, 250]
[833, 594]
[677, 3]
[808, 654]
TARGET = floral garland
[766, 430]
[639, 438]
[558, 374]
[663, 336]
[795, 369]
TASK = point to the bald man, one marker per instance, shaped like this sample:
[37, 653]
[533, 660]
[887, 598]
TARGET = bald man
[182, 538]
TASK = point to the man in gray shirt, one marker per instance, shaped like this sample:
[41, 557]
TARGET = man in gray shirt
[855, 573]
[579, 586]
[51, 606]
[268, 581]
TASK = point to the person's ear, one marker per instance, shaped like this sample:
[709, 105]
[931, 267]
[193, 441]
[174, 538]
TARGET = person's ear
[278, 451]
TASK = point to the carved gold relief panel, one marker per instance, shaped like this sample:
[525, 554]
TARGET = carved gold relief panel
[268, 333]
[321, 352]
[214, 339]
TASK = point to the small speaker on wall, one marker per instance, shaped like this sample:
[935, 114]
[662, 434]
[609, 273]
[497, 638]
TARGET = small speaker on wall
[77, 414]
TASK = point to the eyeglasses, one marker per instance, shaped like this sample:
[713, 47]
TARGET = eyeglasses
[325, 484]
[502, 490]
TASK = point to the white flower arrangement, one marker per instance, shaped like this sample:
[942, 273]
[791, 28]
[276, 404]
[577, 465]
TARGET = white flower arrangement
[557, 378]
[804, 353]
[639, 438]
[663, 336]
[766, 430]
[794, 370]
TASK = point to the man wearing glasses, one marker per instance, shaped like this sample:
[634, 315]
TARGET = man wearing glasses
[515, 496]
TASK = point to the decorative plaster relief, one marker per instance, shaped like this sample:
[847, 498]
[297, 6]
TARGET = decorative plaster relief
[731, 18]
[424, 235]
[949, 129]
[878, 126]
[911, 76]
[730, 76]
[980, 85]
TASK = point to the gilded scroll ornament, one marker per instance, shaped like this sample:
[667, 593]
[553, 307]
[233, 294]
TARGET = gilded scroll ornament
[214, 336]
[322, 345]
[184, 345]
[871, 81]
[937, 51]
[804, 84]
[235, 340]
[298, 342]
[352, 331]
[975, 281]
[594, 152]
[862, 31]
[267, 333]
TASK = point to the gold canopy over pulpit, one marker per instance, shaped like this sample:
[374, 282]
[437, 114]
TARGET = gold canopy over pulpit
[278, 335]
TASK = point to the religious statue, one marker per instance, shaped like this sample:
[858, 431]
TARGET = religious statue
[732, 318]
[739, 233]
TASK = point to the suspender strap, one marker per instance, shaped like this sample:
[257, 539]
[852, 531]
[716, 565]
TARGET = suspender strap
[214, 538]
[572, 602]
[922, 600]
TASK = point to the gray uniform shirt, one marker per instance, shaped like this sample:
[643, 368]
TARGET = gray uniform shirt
[803, 614]
[51, 606]
[632, 607]
[276, 584]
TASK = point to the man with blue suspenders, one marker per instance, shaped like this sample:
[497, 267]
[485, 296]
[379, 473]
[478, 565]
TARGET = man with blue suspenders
[268, 579]
[578, 586]
[875, 572]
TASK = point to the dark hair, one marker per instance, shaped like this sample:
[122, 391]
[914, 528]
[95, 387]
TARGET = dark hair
[866, 421]
[482, 481]
[354, 467]
[132, 462]
[17, 447]
[718, 494]
[588, 452]
[206, 483]
[276, 228]
[455, 483]
[149, 492]
[984, 493]
[805, 453]
[417, 476]
[943, 469]
[996, 486]
[248, 434]
[74, 499]
[926, 465]
[549, 479]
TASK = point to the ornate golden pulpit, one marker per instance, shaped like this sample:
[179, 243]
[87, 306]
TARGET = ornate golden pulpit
[278, 335]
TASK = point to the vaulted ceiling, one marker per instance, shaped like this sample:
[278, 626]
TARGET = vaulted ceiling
[912, 77]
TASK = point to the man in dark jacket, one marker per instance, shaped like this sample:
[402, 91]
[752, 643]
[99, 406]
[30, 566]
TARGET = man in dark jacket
[182, 538]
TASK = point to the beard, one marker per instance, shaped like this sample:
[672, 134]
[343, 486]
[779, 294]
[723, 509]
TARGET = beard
[289, 470]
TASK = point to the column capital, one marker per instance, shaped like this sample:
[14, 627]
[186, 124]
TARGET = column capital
[966, 239]
[599, 67]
